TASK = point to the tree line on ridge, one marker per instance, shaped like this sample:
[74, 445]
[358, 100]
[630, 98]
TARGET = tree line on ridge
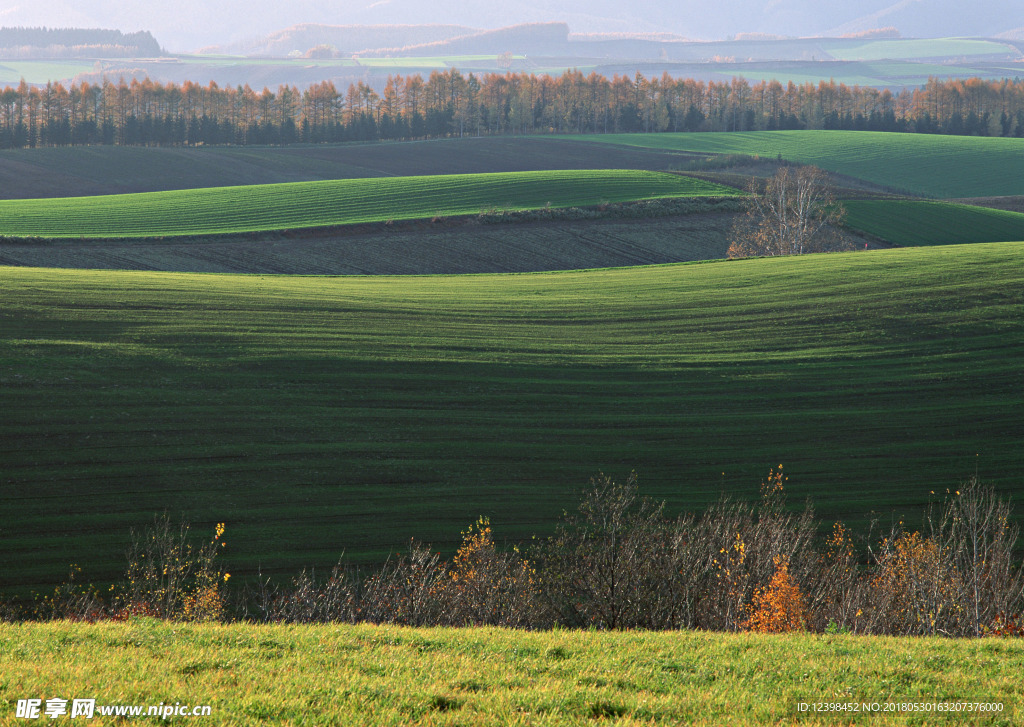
[145, 112]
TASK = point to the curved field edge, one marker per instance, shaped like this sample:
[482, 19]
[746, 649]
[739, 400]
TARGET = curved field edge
[382, 675]
[227, 210]
[912, 222]
[322, 415]
[81, 171]
[672, 230]
[920, 164]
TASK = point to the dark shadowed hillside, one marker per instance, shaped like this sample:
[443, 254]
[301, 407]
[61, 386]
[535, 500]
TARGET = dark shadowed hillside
[83, 171]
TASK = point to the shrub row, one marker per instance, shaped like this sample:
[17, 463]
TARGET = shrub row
[640, 209]
[620, 563]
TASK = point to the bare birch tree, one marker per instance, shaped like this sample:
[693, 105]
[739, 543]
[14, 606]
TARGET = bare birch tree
[795, 213]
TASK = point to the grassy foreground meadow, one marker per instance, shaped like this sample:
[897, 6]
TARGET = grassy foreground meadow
[321, 415]
[923, 164]
[223, 210]
[363, 675]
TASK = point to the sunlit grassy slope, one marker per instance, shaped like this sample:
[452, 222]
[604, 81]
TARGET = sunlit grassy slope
[912, 222]
[365, 675]
[336, 202]
[925, 164]
[316, 415]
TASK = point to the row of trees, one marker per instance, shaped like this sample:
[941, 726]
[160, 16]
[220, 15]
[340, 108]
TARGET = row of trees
[143, 112]
[620, 563]
[76, 43]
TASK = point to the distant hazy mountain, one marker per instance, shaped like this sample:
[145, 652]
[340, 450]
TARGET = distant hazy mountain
[345, 38]
[936, 18]
[190, 24]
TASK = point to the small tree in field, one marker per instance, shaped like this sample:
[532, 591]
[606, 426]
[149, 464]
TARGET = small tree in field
[795, 213]
[780, 606]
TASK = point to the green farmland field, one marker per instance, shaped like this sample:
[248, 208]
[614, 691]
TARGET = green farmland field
[876, 50]
[852, 73]
[375, 675]
[923, 164]
[431, 62]
[316, 415]
[336, 202]
[12, 72]
[910, 222]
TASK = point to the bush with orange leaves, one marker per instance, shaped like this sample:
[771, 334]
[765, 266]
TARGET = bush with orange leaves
[779, 607]
[914, 587]
[1003, 625]
[746, 547]
[486, 586]
[172, 578]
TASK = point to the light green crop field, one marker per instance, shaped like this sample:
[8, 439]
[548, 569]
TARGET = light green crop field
[375, 675]
[403, 62]
[922, 70]
[893, 74]
[855, 75]
[228, 61]
[874, 50]
[13, 71]
[910, 222]
[926, 164]
[438, 62]
[336, 202]
[321, 415]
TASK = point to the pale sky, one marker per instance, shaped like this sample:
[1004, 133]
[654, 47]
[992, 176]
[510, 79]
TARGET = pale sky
[189, 24]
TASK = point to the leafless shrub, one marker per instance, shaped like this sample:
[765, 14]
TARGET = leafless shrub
[957, 578]
[406, 590]
[836, 591]
[72, 600]
[617, 563]
[912, 587]
[977, 537]
[306, 601]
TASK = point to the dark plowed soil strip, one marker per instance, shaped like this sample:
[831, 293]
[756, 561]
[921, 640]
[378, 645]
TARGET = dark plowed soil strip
[83, 171]
[423, 248]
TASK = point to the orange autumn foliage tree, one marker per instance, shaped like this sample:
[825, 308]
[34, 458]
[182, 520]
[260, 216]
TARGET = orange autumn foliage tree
[486, 586]
[780, 606]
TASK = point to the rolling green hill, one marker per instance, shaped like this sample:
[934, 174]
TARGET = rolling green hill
[922, 164]
[316, 415]
[225, 210]
[908, 222]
